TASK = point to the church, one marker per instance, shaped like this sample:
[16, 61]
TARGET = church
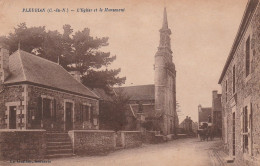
[153, 107]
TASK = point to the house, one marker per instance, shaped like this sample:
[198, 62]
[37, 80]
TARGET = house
[204, 116]
[240, 80]
[188, 126]
[39, 94]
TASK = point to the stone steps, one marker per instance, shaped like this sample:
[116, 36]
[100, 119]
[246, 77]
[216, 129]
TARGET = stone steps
[58, 145]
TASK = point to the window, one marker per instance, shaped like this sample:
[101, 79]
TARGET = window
[234, 78]
[248, 65]
[246, 128]
[85, 113]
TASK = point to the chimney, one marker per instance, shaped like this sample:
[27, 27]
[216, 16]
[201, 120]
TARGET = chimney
[4, 62]
[214, 94]
[214, 97]
[76, 75]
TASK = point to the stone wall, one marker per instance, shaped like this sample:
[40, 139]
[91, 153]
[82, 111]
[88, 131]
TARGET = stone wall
[19, 144]
[10, 94]
[129, 139]
[247, 93]
[151, 137]
[34, 92]
[92, 141]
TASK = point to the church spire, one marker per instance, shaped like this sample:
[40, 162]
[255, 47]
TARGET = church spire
[165, 21]
[165, 32]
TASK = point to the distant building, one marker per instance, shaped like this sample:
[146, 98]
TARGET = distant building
[240, 82]
[217, 113]
[187, 126]
[204, 116]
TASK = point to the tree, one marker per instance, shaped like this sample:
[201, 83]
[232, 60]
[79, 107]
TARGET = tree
[77, 51]
[113, 113]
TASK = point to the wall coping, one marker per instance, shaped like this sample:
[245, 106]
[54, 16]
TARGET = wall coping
[92, 131]
[129, 131]
[18, 130]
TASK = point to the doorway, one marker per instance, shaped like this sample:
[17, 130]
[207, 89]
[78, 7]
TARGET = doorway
[12, 117]
[68, 115]
[46, 113]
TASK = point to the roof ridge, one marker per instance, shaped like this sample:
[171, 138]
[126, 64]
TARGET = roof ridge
[19, 54]
[79, 82]
[39, 57]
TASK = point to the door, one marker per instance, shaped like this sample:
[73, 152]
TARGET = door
[68, 116]
[46, 114]
[12, 117]
[234, 133]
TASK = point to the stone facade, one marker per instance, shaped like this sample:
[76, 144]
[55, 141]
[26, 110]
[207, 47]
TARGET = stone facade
[165, 82]
[30, 97]
[22, 145]
[241, 91]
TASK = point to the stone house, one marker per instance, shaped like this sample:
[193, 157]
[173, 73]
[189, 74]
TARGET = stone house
[188, 126]
[40, 94]
[240, 80]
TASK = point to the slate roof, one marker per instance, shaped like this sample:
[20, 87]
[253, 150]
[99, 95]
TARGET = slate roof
[26, 67]
[140, 92]
[148, 110]
[102, 94]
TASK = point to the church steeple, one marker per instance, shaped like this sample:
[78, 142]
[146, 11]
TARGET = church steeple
[165, 21]
[165, 32]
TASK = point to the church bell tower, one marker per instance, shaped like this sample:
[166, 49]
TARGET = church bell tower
[165, 82]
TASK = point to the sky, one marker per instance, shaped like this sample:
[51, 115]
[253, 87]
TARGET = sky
[203, 32]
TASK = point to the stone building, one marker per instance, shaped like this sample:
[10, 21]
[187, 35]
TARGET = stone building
[40, 94]
[188, 126]
[240, 80]
[165, 81]
[158, 100]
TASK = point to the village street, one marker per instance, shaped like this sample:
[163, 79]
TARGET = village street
[181, 152]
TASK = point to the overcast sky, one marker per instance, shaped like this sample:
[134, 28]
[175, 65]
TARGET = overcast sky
[203, 32]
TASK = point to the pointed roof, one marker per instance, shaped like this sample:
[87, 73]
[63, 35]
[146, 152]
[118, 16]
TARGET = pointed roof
[29, 68]
[165, 21]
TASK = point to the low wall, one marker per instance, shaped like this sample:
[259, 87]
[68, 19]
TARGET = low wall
[130, 139]
[92, 141]
[151, 137]
[22, 144]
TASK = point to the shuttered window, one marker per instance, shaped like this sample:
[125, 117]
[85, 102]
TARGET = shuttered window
[246, 128]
